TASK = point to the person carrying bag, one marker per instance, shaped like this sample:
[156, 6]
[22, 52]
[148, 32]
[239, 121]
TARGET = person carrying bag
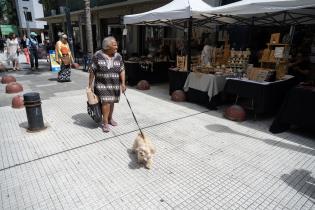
[65, 59]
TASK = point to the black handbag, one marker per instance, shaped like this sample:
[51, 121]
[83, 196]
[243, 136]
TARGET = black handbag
[95, 111]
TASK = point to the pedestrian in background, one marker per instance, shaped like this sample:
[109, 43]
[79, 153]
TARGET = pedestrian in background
[32, 45]
[25, 49]
[2, 41]
[108, 73]
[12, 51]
[65, 59]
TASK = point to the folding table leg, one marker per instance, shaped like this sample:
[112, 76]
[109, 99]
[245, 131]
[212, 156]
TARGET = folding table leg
[236, 99]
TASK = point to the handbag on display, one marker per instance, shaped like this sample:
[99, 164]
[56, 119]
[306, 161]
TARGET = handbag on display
[93, 106]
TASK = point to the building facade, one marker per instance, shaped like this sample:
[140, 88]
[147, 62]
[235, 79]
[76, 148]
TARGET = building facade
[28, 11]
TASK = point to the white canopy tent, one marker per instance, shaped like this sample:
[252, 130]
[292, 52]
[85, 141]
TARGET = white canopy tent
[178, 13]
[266, 12]
[175, 10]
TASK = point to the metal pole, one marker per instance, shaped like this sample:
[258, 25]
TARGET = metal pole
[189, 44]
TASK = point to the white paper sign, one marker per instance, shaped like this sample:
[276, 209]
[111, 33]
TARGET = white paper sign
[279, 52]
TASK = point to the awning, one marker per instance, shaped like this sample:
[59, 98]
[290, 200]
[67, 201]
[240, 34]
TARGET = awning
[7, 29]
[267, 12]
[175, 10]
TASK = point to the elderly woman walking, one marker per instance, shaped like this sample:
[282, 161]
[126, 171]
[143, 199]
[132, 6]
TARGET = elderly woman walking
[108, 73]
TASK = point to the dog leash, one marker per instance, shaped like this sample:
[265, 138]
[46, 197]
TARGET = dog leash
[134, 117]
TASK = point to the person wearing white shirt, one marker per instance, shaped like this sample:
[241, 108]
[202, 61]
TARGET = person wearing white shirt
[12, 51]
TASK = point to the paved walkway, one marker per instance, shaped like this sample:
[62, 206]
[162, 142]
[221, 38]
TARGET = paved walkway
[203, 161]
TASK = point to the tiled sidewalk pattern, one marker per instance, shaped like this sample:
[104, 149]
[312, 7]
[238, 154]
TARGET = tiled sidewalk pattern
[203, 161]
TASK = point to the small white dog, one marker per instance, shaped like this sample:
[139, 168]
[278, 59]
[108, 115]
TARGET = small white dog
[144, 149]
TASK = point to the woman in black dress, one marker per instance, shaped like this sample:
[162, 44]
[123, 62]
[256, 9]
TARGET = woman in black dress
[108, 73]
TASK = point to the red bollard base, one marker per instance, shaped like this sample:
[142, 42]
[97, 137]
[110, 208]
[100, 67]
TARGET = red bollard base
[143, 85]
[13, 87]
[8, 79]
[235, 113]
[178, 95]
[17, 102]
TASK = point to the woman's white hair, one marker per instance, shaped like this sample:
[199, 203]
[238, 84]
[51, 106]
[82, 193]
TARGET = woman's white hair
[107, 41]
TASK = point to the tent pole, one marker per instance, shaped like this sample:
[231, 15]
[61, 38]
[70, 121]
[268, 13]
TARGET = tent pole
[189, 44]
[291, 34]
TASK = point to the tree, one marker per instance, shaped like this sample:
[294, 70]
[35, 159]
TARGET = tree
[88, 28]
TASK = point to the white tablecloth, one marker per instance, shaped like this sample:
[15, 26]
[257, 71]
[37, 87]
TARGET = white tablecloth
[212, 84]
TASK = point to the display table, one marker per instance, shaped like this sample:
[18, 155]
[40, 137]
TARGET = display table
[266, 97]
[297, 109]
[202, 88]
[153, 72]
[176, 79]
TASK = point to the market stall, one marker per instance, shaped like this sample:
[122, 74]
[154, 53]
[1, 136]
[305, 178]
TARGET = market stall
[179, 14]
[220, 59]
[265, 85]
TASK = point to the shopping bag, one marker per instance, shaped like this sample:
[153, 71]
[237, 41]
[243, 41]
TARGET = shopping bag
[92, 98]
[93, 106]
[95, 112]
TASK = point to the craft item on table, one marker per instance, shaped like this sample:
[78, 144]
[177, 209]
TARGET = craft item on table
[206, 54]
[266, 54]
[181, 63]
[260, 74]
[272, 56]
[195, 60]
[274, 39]
[246, 53]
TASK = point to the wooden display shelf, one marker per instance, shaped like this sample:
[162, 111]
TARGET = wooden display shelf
[270, 61]
[279, 44]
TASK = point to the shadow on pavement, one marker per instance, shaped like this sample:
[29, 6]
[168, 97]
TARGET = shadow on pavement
[224, 129]
[53, 79]
[24, 125]
[83, 120]
[302, 181]
[133, 164]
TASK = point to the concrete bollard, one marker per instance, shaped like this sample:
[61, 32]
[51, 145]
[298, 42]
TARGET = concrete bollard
[34, 114]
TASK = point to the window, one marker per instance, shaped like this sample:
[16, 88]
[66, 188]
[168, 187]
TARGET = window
[29, 16]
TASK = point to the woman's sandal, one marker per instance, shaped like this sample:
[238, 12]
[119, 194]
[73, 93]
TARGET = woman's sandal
[113, 122]
[105, 128]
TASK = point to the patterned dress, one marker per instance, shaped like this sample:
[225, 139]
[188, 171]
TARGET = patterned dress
[107, 76]
[65, 69]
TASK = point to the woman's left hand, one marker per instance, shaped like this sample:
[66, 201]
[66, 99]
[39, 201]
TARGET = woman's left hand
[123, 88]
